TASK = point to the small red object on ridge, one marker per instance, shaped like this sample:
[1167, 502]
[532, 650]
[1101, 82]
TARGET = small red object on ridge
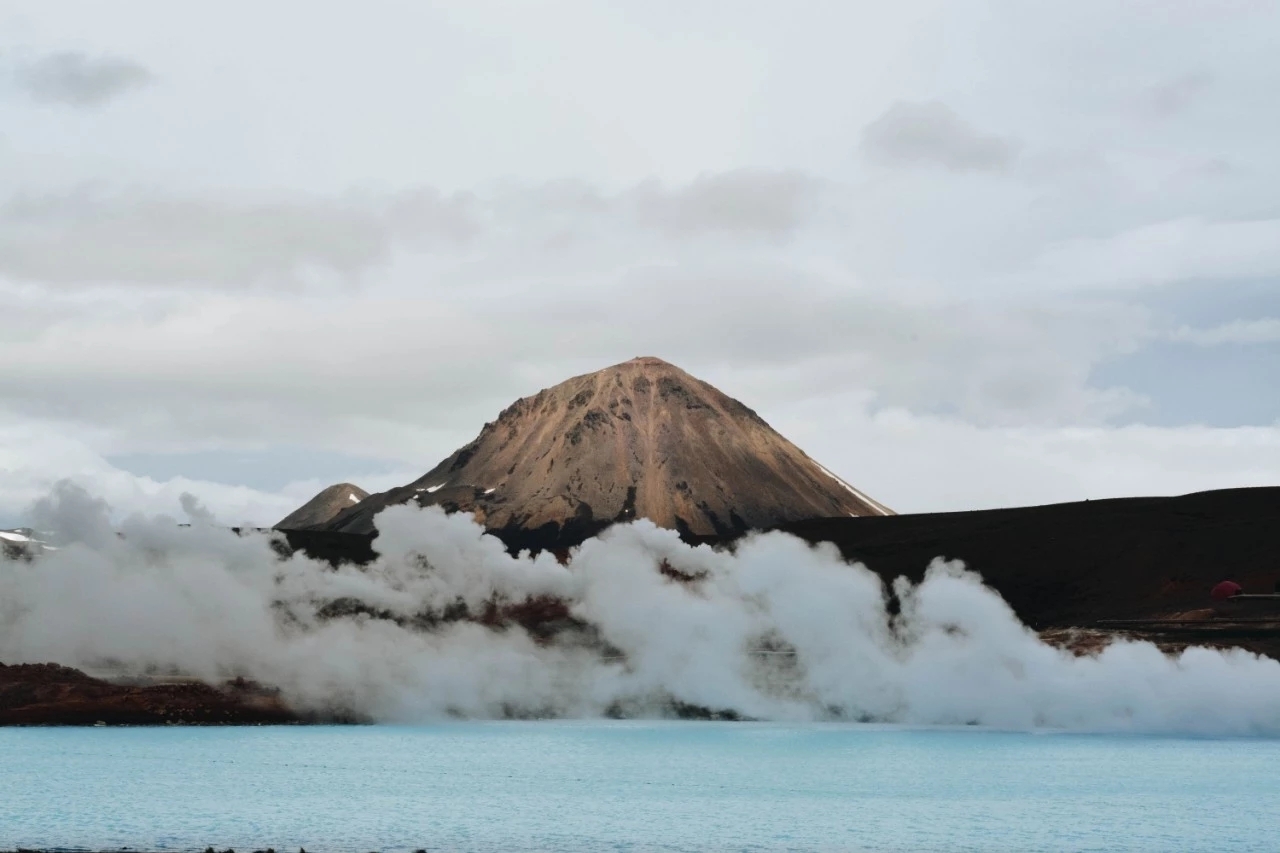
[1225, 589]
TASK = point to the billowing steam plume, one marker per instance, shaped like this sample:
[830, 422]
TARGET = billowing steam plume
[776, 629]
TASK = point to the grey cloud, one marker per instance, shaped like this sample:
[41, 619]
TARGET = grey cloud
[269, 469]
[1260, 331]
[78, 80]
[453, 337]
[931, 133]
[1203, 303]
[459, 327]
[413, 378]
[998, 362]
[746, 201]
[1173, 96]
[157, 238]
[195, 510]
[151, 238]
[1157, 253]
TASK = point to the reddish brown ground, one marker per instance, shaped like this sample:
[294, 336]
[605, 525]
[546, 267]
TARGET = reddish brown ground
[1090, 641]
[49, 694]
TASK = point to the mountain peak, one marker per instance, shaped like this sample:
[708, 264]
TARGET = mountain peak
[639, 439]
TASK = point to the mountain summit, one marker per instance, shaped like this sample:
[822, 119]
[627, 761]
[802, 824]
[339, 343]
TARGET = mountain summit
[641, 439]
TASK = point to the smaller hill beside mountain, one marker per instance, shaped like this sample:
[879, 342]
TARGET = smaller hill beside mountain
[323, 507]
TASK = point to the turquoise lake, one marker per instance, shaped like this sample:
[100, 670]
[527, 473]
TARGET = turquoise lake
[633, 786]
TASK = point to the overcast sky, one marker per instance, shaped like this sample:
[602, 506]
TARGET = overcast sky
[965, 254]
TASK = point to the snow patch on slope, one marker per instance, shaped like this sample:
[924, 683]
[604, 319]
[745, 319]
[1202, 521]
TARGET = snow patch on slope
[880, 508]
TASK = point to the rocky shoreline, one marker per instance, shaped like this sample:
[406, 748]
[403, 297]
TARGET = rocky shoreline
[48, 694]
[129, 849]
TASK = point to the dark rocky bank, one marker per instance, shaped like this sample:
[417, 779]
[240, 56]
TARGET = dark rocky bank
[49, 694]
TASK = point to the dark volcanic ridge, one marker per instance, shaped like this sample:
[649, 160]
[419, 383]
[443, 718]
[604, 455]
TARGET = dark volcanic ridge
[1083, 562]
[641, 439]
[1057, 565]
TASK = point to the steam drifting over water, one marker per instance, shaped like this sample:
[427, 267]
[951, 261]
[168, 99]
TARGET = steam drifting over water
[776, 629]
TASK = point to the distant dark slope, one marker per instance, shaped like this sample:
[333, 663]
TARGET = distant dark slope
[1065, 564]
[323, 507]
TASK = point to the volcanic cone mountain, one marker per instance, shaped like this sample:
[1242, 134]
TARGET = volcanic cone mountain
[323, 507]
[642, 439]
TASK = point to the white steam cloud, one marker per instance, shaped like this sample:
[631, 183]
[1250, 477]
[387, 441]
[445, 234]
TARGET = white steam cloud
[776, 629]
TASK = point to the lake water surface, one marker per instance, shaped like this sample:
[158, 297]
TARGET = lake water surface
[633, 786]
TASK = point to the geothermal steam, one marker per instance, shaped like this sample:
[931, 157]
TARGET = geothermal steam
[776, 629]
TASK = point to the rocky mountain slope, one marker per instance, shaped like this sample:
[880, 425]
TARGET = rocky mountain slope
[641, 439]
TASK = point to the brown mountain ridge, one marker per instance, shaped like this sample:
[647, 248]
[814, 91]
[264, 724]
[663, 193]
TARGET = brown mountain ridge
[641, 439]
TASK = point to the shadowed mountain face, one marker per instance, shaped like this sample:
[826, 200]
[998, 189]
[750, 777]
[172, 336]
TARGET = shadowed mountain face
[323, 507]
[642, 439]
